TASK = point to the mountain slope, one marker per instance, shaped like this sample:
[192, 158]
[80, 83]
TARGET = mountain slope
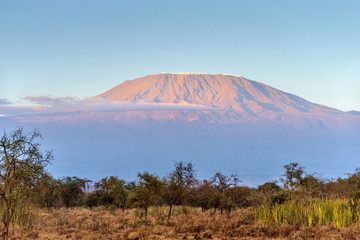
[227, 92]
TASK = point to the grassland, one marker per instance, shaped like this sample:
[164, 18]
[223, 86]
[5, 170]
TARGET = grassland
[188, 223]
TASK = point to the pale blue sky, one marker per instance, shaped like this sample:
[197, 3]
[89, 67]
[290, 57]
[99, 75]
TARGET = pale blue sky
[83, 47]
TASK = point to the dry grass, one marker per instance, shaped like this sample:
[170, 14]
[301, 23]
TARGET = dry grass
[80, 223]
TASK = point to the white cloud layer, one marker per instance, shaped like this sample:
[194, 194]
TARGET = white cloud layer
[48, 104]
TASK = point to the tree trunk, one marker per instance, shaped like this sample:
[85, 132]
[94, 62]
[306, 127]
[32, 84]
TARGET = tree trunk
[146, 212]
[6, 231]
[6, 220]
[170, 210]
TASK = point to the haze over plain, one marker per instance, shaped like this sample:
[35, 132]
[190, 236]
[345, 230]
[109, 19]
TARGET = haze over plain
[217, 121]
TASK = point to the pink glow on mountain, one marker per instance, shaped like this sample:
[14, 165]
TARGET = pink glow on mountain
[229, 92]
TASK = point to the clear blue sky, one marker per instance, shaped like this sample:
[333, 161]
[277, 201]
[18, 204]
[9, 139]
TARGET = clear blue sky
[83, 47]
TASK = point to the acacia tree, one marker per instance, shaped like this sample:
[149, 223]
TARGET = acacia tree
[313, 185]
[293, 176]
[112, 191]
[178, 183]
[21, 167]
[71, 191]
[203, 196]
[148, 191]
[221, 183]
[47, 192]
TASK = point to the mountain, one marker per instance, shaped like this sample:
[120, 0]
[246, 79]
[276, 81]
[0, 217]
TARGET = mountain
[222, 91]
[231, 99]
[218, 121]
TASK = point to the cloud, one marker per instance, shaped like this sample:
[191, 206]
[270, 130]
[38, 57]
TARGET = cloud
[4, 101]
[48, 105]
[100, 104]
[18, 110]
[50, 101]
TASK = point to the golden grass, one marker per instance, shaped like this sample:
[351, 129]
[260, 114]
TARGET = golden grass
[81, 223]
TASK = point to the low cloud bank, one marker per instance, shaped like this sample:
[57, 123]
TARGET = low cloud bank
[48, 105]
[51, 101]
[4, 101]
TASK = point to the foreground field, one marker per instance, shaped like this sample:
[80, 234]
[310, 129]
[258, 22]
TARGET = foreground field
[81, 223]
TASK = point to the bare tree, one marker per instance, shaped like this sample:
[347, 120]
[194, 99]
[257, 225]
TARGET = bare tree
[21, 167]
[235, 179]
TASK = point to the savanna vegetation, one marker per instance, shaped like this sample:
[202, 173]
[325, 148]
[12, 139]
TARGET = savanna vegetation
[35, 205]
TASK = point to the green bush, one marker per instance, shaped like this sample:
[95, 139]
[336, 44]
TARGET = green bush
[279, 198]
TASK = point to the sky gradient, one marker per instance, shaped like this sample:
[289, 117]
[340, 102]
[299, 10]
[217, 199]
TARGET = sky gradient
[83, 48]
